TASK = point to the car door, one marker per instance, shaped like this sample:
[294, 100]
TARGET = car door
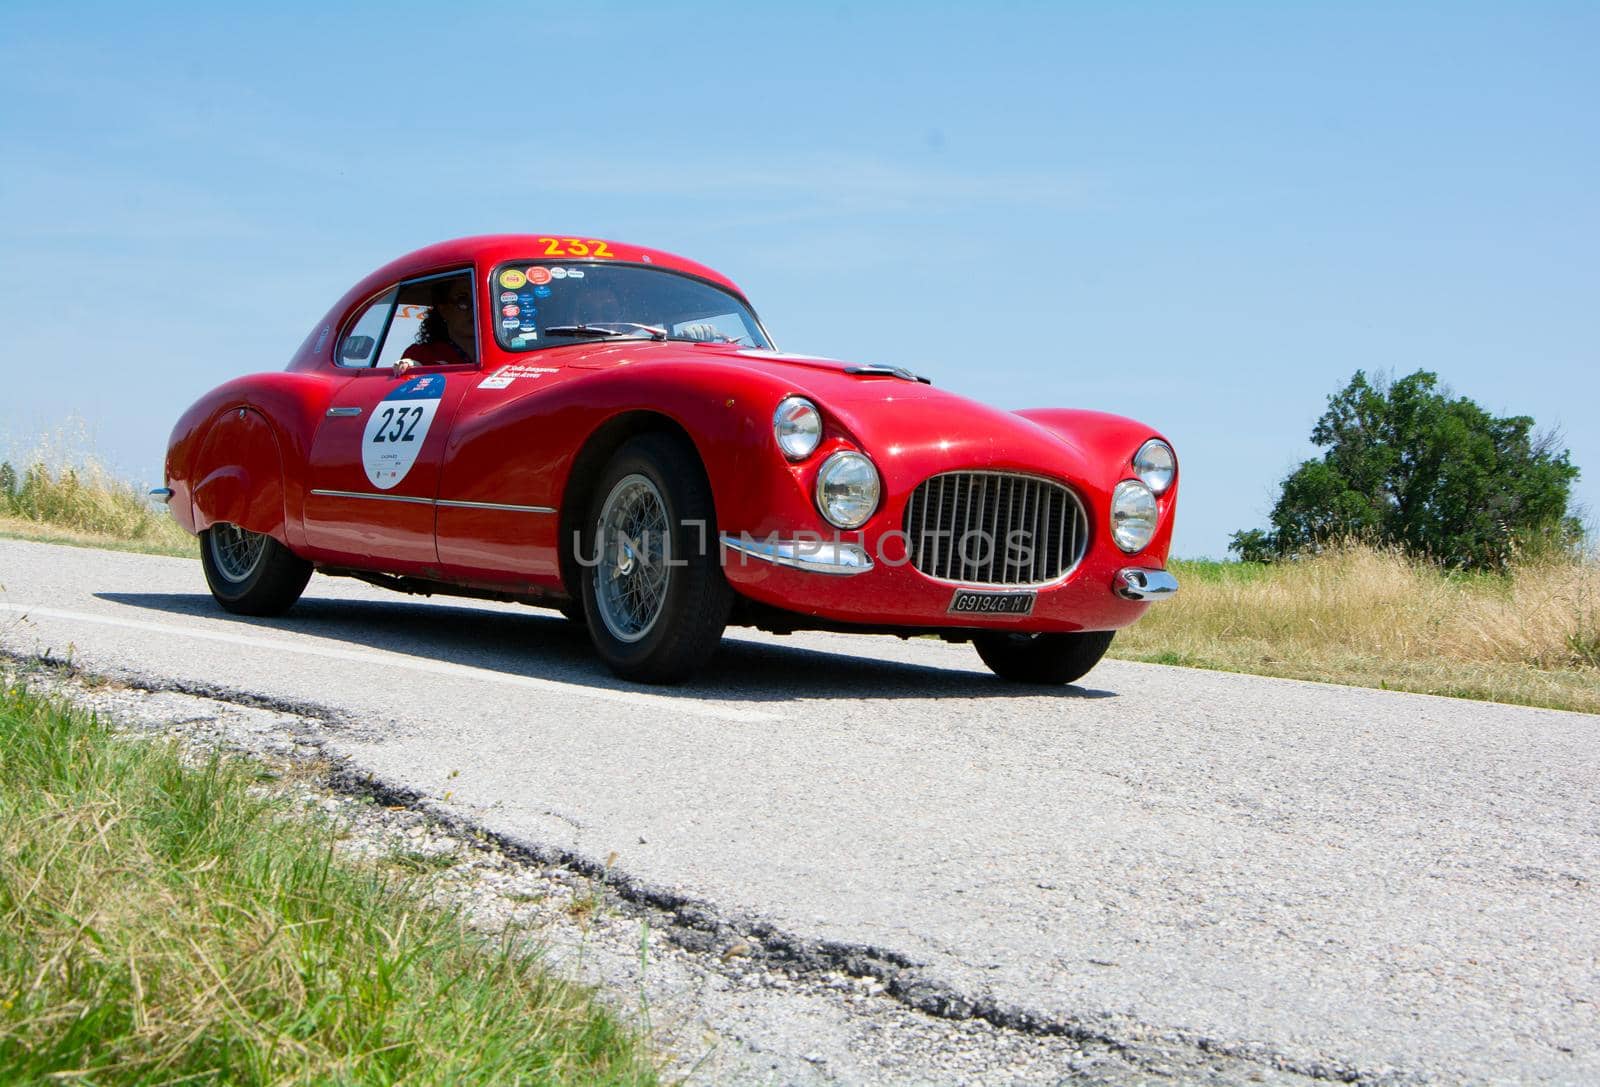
[373, 470]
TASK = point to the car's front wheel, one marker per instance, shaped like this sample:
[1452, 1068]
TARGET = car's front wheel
[1043, 658]
[653, 591]
[250, 573]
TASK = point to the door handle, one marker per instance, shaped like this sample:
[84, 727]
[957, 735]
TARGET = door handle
[339, 413]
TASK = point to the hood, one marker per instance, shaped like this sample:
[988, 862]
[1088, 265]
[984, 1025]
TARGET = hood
[910, 429]
[899, 420]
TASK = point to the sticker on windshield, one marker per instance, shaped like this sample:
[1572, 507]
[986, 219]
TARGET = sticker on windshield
[397, 429]
[511, 279]
[538, 276]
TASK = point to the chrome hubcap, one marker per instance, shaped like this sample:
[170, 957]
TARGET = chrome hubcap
[633, 549]
[236, 552]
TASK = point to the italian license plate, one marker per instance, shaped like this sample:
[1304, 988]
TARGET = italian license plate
[973, 602]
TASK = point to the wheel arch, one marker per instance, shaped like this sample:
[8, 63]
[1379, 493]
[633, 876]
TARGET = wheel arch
[238, 474]
[591, 459]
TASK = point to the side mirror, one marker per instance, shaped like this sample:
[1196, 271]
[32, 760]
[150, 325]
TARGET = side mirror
[357, 348]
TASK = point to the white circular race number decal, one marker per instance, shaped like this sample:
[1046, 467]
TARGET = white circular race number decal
[397, 429]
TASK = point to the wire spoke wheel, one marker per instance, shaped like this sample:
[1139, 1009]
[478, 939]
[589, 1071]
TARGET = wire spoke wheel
[236, 552]
[633, 549]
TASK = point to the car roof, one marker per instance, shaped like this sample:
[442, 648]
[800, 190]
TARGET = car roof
[487, 250]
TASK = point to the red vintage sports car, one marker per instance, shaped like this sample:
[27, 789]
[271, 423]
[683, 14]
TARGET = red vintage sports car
[607, 430]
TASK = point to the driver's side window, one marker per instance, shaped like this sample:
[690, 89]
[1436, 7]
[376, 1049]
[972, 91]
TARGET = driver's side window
[434, 322]
[430, 321]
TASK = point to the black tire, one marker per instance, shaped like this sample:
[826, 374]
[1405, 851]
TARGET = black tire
[1043, 658]
[688, 608]
[267, 585]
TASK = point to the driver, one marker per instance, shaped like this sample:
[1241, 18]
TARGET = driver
[444, 337]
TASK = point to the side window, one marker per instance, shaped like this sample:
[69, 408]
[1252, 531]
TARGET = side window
[434, 322]
[360, 345]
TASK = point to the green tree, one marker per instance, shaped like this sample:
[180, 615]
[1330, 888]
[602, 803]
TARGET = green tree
[1407, 464]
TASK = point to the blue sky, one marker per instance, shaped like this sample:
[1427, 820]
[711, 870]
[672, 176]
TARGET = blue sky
[1204, 216]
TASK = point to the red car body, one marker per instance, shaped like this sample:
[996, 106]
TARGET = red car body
[503, 477]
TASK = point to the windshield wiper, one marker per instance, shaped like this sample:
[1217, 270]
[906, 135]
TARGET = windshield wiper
[632, 330]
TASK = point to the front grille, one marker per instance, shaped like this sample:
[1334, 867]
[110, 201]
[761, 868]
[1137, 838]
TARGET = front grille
[995, 528]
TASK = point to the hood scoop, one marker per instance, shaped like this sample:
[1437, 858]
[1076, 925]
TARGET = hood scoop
[875, 370]
[818, 362]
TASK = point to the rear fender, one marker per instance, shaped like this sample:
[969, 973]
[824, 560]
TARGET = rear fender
[238, 475]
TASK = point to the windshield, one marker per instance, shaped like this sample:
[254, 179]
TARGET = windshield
[551, 304]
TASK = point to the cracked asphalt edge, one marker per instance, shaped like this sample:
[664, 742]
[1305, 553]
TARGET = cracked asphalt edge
[853, 1012]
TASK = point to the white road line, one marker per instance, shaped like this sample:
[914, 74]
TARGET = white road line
[663, 703]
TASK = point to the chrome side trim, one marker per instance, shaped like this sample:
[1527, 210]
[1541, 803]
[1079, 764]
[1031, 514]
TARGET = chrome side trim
[452, 503]
[1133, 583]
[163, 493]
[812, 556]
[460, 504]
[341, 413]
[376, 497]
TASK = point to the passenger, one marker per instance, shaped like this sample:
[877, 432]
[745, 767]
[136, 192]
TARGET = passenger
[598, 305]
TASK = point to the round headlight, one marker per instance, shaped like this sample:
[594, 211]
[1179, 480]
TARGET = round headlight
[1133, 515]
[798, 427]
[1156, 465]
[847, 489]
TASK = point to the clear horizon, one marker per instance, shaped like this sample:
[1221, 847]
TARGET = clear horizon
[1208, 220]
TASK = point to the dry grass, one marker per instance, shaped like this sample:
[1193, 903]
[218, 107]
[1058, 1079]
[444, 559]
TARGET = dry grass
[77, 501]
[1376, 618]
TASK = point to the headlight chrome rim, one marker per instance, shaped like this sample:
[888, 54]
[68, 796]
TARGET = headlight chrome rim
[1147, 464]
[1135, 516]
[797, 427]
[865, 504]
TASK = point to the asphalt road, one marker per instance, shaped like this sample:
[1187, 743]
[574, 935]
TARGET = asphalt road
[1338, 881]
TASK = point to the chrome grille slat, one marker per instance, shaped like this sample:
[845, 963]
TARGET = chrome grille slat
[945, 511]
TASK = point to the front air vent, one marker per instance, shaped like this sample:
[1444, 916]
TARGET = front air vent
[995, 528]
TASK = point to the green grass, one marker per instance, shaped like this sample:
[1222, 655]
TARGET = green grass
[162, 923]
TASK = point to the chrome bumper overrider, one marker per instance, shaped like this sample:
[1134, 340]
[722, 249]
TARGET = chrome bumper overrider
[813, 556]
[1136, 584]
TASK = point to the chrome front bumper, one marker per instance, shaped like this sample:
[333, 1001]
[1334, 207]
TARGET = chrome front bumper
[812, 555]
[1133, 583]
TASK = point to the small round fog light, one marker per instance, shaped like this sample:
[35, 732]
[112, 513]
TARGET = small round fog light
[1156, 464]
[798, 427]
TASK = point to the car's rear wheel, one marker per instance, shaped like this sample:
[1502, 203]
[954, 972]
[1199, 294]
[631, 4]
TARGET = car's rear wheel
[1043, 658]
[251, 573]
[653, 591]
